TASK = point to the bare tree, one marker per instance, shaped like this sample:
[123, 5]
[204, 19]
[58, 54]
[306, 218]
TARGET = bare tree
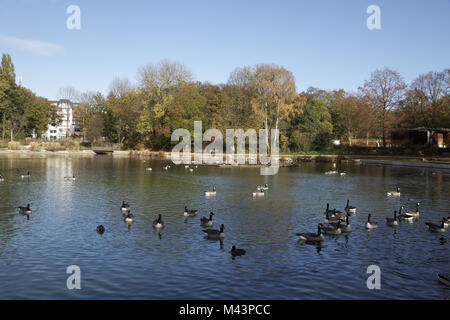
[383, 92]
[120, 86]
[164, 74]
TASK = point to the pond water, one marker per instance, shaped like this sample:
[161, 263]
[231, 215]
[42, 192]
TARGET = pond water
[136, 262]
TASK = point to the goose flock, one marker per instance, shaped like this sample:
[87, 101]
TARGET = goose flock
[335, 222]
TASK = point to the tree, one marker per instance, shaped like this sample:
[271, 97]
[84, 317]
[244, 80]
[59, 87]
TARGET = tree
[383, 92]
[7, 91]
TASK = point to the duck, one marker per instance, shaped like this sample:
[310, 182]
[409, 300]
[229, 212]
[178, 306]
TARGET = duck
[262, 187]
[258, 193]
[207, 222]
[211, 192]
[392, 222]
[100, 229]
[125, 206]
[394, 193]
[436, 227]
[149, 169]
[404, 216]
[312, 237]
[443, 278]
[189, 213]
[25, 210]
[370, 224]
[72, 178]
[414, 214]
[28, 175]
[333, 229]
[215, 234]
[237, 252]
[158, 223]
[349, 208]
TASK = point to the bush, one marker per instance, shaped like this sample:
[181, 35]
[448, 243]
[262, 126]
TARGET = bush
[35, 146]
[13, 145]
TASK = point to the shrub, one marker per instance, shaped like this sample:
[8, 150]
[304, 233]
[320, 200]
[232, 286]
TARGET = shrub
[13, 145]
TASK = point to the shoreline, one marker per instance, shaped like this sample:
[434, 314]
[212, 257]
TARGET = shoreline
[285, 160]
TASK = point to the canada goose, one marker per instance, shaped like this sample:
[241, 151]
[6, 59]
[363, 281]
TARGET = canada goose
[338, 214]
[186, 167]
[237, 252]
[166, 168]
[129, 218]
[149, 169]
[443, 278]
[191, 170]
[207, 222]
[262, 187]
[346, 228]
[370, 224]
[331, 172]
[392, 222]
[189, 213]
[394, 193]
[312, 237]
[72, 178]
[329, 219]
[215, 234]
[158, 223]
[404, 216]
[211, 192]
[436, 227]
[125, 206]
[25, 210]
[100, 229]
[342, 173]
[447, 222]
[2, 178]
[349, 208]
[333, 230]
[28, 175]
[328, 209]
[258, 193]
[414, 214]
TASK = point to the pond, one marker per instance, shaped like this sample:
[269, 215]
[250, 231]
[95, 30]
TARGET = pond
[138, 262]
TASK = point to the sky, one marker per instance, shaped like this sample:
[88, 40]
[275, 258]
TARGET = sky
[326, 44]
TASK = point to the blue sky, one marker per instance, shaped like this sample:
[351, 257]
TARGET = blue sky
[325, 44]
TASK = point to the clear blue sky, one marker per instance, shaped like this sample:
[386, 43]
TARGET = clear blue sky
[325, 44]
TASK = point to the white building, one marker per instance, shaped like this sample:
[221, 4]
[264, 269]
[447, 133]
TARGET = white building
[67, 125]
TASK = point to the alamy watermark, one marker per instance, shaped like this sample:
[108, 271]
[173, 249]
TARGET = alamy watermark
[374, 20]
[74, 280]
[258, 147]
[73, 22]
[374, 280]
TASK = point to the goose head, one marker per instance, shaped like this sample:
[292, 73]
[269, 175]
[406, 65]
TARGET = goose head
[221, 228]
[368, 217]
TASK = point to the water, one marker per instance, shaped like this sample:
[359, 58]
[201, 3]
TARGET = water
[136, 263]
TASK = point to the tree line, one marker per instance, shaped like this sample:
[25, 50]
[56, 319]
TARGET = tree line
[264, 96]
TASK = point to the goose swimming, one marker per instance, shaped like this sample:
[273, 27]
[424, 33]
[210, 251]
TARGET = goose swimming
[207, 222]
[158, 223]
[330, 218]
[72, 178]
[149, 169]
[125, 206]
[333, 230]
[189, 213]
[404, 216]
[237, 252]
[129, 218]
[414, 214]
[211, 192]
[346, 228]
[394, 193]
[262, 187]
[349, 208]
[392, 222]
[312, 237]
[447, 222]
[215, 234]
[25, 210]
[258, 193]
[436, 227]
[370, 224]
[1, 178]
[100, 229]
[28, 175]
[444, 278]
